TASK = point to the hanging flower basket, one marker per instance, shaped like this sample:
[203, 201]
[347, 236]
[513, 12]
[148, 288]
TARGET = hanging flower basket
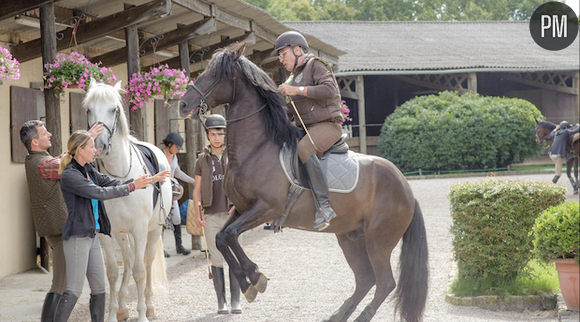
[9, 66]
[345, 111]
[165, 81]
[74, 69]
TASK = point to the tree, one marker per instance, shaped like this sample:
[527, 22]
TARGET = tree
[399, 10]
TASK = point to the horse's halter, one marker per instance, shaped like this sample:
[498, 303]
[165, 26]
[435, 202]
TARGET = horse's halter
[111, 132]
[203, 104]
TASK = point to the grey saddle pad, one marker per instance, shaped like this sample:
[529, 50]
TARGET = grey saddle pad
[341, 169]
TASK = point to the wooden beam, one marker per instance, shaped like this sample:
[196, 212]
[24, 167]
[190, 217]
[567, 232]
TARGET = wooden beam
[169, 39]
[97, 28]
[10, 9]
[174, 62]
[136, 116]
[48, 51]
[228, 18]
[362, 120]
[536, 83]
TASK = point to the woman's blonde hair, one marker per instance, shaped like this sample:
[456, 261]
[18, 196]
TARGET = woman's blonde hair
[77, 140]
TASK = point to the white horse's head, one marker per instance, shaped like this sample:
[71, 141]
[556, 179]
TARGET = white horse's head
[104, 105]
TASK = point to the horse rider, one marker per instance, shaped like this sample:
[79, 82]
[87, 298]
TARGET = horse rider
[209, 193]
[49, 212]
[173, 144]
[558, 150]
[312, 88]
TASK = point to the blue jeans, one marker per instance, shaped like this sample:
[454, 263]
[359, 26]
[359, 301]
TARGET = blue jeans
[84, 257]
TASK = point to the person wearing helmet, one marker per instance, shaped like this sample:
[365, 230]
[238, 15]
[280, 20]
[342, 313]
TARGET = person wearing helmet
[173, 144]
[558, 150]
[210, 196]
[313, 89]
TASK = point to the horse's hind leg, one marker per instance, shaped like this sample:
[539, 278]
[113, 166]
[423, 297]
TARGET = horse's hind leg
[150, 253]
[356, 255]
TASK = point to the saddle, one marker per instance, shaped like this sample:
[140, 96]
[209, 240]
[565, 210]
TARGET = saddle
[339, 164]
[152, 165]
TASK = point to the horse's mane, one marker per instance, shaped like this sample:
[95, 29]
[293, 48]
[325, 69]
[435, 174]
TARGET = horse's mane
[274, 115]
[547, 125]
[103, 95]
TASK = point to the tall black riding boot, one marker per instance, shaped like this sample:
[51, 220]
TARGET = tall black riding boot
[235, 293]
[574, 185]
[65, 306]
[97, 307]
[49, 307]
[220, 288]
[319, 186]
[178, 246]
[555, 179]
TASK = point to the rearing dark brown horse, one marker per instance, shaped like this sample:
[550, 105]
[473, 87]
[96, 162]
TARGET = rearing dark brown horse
[382, 206]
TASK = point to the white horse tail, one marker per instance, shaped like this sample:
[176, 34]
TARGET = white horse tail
[158, 269]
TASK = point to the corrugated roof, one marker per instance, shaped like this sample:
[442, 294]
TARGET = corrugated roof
[392, 47]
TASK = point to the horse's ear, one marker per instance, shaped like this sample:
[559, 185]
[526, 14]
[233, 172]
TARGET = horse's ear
[92, 84]
[118, 86]
[240, 50]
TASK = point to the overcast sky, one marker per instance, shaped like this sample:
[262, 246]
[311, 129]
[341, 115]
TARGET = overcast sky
[574, 5]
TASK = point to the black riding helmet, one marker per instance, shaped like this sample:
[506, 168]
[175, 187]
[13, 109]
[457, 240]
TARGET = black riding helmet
[174, 138]
[290, 38]
[215, 121]
[564, 125]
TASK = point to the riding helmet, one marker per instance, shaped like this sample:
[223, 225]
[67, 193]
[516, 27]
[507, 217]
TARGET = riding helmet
[215, 121]
[290, 38]
[174, 138]
[564, 125]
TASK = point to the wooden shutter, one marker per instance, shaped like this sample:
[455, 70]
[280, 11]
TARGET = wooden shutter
[161, 121]
[25, 104]
[78, 114]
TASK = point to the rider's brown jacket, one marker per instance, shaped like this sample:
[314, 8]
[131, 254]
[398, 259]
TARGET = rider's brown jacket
[323, 101]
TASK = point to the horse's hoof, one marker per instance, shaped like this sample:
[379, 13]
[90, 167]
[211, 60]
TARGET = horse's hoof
[262, 283]
[251, 294]
[150, 313]
[123, 315]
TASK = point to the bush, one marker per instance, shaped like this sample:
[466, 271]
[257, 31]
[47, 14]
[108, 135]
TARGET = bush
[453, 132]
[557, 232]
[492, 221]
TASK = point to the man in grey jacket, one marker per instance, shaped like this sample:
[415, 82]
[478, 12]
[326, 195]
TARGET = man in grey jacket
[49, 211]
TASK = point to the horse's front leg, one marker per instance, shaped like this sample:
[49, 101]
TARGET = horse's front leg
[124, 242]
[150, 255]
[227, 239]
[140, 232]
[112, 275]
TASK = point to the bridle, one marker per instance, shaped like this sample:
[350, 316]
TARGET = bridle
[204, 106]
[111, 132]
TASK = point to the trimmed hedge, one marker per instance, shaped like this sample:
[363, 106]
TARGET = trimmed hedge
[557, 232]
[492, 221]
[453, 132]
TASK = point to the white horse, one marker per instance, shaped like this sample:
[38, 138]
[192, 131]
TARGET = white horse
[134, 215]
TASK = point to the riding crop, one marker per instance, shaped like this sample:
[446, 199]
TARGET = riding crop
[304, 126]
[210, 276]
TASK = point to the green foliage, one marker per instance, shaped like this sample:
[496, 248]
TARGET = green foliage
[453, 132]
[557, 232]
[535, 279]
[492, 221]
[399, 10]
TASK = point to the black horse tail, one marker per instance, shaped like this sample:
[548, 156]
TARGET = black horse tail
[411, 293]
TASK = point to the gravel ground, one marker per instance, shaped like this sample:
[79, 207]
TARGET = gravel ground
[309, 277]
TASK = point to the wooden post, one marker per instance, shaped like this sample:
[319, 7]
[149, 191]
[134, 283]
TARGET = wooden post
[132, 39]
[191, 134]
[472, 82]
[362, 122]
[51, 103]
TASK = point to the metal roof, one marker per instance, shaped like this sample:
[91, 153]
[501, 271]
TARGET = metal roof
[432, 47]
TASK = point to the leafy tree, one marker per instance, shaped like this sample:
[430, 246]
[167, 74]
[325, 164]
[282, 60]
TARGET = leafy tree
[399, 10]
